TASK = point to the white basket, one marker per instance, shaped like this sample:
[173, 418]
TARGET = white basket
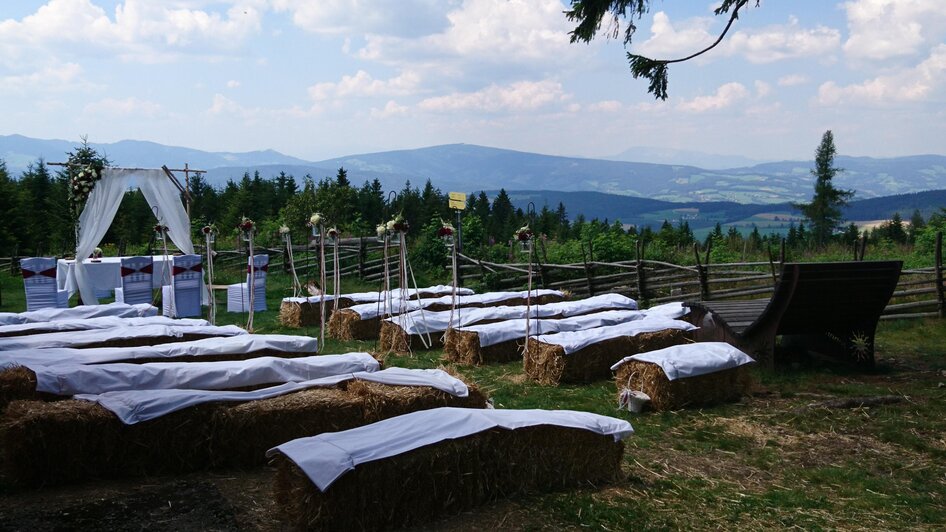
[633, 400]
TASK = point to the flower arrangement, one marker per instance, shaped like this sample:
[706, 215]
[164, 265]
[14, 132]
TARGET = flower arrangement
[315, 220]
[283, 230]
[209, 229]
[524, 234]
[333, 233]
[97, 253]
[246, 225]
[398, 224]
[82, 182]
[160, 231]
[446, 229]
[381, 230]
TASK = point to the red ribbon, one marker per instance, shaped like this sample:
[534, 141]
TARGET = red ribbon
[264, 268]
[47, 273]
[195, 268]
[148, 268]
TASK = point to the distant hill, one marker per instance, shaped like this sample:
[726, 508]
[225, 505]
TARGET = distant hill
[644, 211]
[709, 161]
[467, 167]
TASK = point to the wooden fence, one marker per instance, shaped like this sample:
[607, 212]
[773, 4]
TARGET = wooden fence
[919, 293]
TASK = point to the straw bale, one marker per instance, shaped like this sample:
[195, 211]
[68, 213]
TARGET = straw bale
[45, 443]
[463, 347]
[394, 339]
[448, 478]
[141, 341]
[703, 390]
[348, 325]
[382, 401]
[548, 363]
[19, 382]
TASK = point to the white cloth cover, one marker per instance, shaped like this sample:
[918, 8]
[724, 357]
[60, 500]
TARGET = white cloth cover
[373, 310]
[105, 322]
[573, 341]
[503, 331]
[238, 295]
[76, 313]
[669, 310]
[423, 322]
[218, 346]
[71, 379]
[141, 405]
[373, 297]
[79, 338]
[326, 457]
[102, 205]
[137, 280]
[105, 273]
[691, 360]
[183, 297]
[39, 282]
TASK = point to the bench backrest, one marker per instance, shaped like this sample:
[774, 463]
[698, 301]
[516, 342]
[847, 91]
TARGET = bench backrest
[812, 297]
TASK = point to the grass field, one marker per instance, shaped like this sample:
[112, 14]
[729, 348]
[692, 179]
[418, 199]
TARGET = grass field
[779, 459]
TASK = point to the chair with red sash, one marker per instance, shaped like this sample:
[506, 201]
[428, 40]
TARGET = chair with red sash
[182, 298]
[137, 281]
[238, 296]
[39, 280]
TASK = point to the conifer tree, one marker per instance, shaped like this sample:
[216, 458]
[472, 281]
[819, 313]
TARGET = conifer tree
[824, 211]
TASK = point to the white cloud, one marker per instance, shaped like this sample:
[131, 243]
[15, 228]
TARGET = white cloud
[392, 108]
[378, 17]
[362, 84]
[233, 84]
[128, 107]
[885, 29]
[788, 41]
[790, 80]
[607, 106]
[762, 88]
[223, 105]
[519, 96]
[726, 96]
[916, 84]
[138, 29]
[670, 40]
[56, 77]
[526, 33]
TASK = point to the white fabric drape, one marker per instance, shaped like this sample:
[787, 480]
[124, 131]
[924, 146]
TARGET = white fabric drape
[96, 217]
[160, 192]
[102, 205]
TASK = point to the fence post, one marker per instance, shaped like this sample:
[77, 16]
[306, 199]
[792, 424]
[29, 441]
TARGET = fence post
[781, 252]
[863, 247]
[362, 255]
[588, 274]
[939, 274]
[701, 271]
[640, 270]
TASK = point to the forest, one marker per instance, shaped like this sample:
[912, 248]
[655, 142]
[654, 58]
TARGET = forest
[40, 216]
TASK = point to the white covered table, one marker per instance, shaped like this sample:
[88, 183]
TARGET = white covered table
[104, 273]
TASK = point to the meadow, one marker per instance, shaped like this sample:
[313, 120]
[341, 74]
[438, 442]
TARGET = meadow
[783, 457]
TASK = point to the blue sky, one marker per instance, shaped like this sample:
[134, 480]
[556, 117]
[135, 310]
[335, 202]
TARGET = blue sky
[326, 78]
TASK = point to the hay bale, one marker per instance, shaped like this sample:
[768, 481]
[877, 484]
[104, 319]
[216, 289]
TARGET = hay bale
[394, 339]
[448, 478]
[381, 401]
[703, 390]
[548, 364]
[348, 325]
[142, 341]
[463, 347]
[18, 383]
[69, 441]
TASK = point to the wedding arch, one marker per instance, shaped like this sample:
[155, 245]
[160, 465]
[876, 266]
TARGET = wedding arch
[163, 194]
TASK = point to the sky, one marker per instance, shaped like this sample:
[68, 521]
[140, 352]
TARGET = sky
[328, 78]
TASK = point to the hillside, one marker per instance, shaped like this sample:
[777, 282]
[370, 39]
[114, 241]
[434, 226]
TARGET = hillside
[466, 167]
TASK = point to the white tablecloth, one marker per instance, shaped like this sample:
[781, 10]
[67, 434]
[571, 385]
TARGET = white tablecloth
[105, 274]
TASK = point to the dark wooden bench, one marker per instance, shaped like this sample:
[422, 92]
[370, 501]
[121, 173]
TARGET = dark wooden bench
[830, 307]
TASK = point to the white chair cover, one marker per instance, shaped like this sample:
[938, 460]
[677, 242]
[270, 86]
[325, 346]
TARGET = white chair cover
[137, 277]
[182, 298]
[39, 281]
[238, 297]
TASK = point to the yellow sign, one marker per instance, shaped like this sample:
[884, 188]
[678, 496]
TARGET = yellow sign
[457, 200]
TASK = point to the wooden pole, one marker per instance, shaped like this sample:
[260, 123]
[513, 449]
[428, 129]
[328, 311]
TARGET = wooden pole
[584, 258]
[640, 270]
[781, 253]
[863, 247]
[939, 274]
[701, 272]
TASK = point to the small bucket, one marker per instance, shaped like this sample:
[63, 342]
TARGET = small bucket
[633, 400]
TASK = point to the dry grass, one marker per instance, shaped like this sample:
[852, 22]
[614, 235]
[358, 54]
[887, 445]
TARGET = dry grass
[548, 364]
[463, 347]
[703, 390]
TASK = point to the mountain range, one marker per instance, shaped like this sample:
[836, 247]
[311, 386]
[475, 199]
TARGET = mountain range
[470, 168]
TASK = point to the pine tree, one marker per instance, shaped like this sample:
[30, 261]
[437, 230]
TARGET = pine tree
[824, 211]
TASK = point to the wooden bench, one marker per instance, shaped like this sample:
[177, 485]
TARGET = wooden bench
[831, 308]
